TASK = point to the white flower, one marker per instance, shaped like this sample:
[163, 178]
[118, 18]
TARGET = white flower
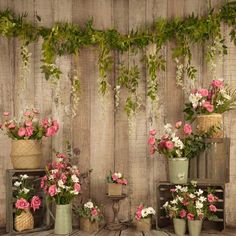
[54, 171]
[174, 208]
[144, 212]
[74, 192]
[151, 211]
[199, 192]
[224, 94]
[25, 176]
[202, 199]
[75, 179]
[61, 184]
[184, 189]
[180, 199]
[25, 190]
[192, 195]
[178, 152]
[17, 183]
[89, 205]
[178, 187]
[199, 205]
[194, 99]
[174, 202]
[119, 175]
[51, 177]
[166, 205]
[168, 128]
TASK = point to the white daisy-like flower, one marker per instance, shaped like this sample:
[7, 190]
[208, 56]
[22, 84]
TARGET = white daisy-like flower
[25, 176]
[202, 199]
[17, 183]
[119, 175]
[61, 184]
[199, 205]
[75, 179]
[151, 211]
[144, 212]
[199, 192]
[174, 202]
[89, 205]
[178, 187]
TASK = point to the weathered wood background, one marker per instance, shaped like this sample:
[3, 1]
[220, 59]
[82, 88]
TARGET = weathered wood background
[103, 136]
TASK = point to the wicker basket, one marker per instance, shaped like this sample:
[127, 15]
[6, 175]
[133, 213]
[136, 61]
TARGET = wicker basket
[87, 226]
[24, 221]
[205, 122]
[144, 224]
[26, 154]
[114, 189]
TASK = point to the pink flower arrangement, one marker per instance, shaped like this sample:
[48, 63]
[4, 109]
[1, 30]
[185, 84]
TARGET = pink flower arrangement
[116, 178]
[144, 212]
[61, 182]
[218, 98]
[25, 200]
[29, 126]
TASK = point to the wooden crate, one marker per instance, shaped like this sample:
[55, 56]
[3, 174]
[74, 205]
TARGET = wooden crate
[41, 216]
[163, 195]
[213, 164]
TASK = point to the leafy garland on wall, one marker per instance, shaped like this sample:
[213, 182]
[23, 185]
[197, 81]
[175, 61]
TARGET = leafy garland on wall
[69, 38]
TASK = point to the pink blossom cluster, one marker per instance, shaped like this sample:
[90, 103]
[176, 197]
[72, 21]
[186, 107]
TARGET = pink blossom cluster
[138, 214]
[23, 204]
[119, 179]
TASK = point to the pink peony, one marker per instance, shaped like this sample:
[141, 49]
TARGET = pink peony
[125, 181]
[12, 125]
[190, 216]
[28, 123]
[182, 213]
[94, 212]
[114, 177]
[50, 131]
[152, 150]
[187, 129]
[6, 113]
[52, 190]
[152, 132]
[208, 106]
[21, 132]
[217, 84]
[27, 113]
[119, 181]
[22, 204]
[138, 215]
[210, 198]
[169, 145]
[35, 202]
[77, 187]
[55, 125]
[213, 208]
[61, 155]
[203, 92]
[29, 131]
[151, 140]
[45, 122]
[63, 177]
[178, 124]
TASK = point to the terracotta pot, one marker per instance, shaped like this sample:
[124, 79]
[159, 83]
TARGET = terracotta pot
[206, 122]
[179, 226]
[114, 189]
[26, 154]
[88, 226]
[24, 221]
[144, 224]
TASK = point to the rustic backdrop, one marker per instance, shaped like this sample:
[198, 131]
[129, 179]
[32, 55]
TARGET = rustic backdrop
[103, 135]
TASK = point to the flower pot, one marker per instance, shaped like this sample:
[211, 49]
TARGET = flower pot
[114, 189]
[24, 221]
[63, 219]
[26, 154]
[178, 170]
[179, 226]
[194, 227]
[144, 224]
[88, 226]
[205, 122]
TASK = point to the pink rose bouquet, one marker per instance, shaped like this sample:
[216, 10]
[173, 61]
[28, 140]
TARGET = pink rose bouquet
[89, 210]
[25, 200]
[218, 98]
[178, 141]
[29, 126]
[61, 182]
[116, 178]
[191, 203]
[144, 212]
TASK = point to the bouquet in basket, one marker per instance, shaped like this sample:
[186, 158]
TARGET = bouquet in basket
[29, 127]
[144, 212]
[116, 178]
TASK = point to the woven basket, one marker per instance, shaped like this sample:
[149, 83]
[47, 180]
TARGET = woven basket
[205, 122]
[87, 226]
[144, 224]
[114, 189]
[24, 221]
[26, 154]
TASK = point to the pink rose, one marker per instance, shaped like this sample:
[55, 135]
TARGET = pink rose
[28, 123]
[217, 84]
[61, 155]
[12, 125]
[52, 190]
[77, 187]
[94, 212]
[125, 181]
[22, 204]
[50, 131]
[63, 177]
[114, 177]
[45, 122]
[169, 145]
[152, 132]
[203, 92]
[152, 150]
[119, 181]
[190, 216]
[182, 213]
[29, 131]
[27, 113]
[208, 106]
[213, 208]
[21, 132]
[211, 198]
[178, 124]
[151, 140]
[187, 129]
[55, 125]
[138, 215]
[35, 202]
[6, 113]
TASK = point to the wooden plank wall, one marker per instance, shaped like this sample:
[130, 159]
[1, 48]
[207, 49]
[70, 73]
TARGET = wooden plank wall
[103, 135]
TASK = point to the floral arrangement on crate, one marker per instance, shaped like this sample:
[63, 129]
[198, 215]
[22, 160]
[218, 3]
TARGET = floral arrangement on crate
[116, 178]
[29, 126]
[178, 141]
[90, 211]
[218, 98]
[144, 212]
[192, 203]
[25, 200]
[61, 182]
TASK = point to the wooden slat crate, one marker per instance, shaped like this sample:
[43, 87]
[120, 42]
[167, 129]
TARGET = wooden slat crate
[213, 164]
[163, 195]
[41, 216]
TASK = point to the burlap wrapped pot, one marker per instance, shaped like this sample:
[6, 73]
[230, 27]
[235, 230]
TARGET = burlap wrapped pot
[24, 221]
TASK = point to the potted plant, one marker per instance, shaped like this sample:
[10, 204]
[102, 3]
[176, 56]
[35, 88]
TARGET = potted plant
[115, 181]
[178, 144]
[26, 134]
[90, 216]
[61, 184]
[25, 201]
[143, 216]
[207, 105]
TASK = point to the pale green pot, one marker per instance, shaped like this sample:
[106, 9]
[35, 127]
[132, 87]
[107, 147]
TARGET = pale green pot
[63, 219]
[178, 170]
[194, 227]
[179, 226]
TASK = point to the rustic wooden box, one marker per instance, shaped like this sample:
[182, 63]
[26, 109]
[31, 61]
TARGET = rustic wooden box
[213, 164]
[41, 216]
[163, 195]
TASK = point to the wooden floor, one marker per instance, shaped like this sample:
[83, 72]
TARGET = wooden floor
[130, 232]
